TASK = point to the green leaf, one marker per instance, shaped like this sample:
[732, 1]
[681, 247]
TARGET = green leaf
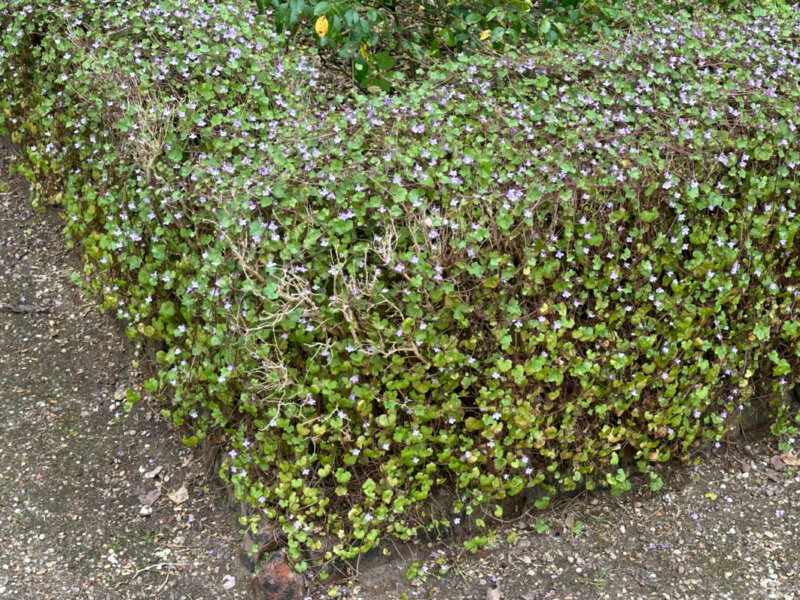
[544, 26]
[375, 85]
[648, 216]
[351, 17]
[491, 282]
[295, 8]
[360, 69]
[504, 365]
[761, 332]
[383, 61]
[167, 310]
[763, 152]
[541, 527]
[473, 424]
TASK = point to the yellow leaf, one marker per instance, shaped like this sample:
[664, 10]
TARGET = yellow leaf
[363, 50]
[711, 496]
[485, 34]
[321, 26]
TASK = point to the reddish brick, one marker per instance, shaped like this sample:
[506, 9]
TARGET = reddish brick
[277, 580]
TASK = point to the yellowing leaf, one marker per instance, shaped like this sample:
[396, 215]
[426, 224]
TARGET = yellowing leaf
[711, 496]
[321, 26]
[485, 34]
[363, 50]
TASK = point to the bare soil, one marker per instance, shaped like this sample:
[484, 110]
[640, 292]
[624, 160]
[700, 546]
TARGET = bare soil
[76, 470]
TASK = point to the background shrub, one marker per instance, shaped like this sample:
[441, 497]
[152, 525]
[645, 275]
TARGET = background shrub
[367, 39]
[502, 279]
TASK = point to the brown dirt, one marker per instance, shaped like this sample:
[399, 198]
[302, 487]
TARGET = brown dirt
[74, 465]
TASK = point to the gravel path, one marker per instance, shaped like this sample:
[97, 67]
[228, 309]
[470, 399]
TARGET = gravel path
[77, 474]
[726, 530]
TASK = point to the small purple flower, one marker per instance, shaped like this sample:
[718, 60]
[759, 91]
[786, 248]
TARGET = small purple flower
[514, 194]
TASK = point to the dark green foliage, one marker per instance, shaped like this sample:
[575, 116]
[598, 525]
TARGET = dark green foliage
[371, 37]
[506, 277]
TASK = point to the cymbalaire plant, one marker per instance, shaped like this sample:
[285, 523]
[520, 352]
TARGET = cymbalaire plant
[509, 276]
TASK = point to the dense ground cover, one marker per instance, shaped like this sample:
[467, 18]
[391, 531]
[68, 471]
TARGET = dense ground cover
[506, 277]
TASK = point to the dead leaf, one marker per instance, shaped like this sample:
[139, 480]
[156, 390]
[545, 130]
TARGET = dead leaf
[228, 581]
[790, 459]
[494, 594]
[150, 497]
[153, 473]
[179, 496]
[776, 463]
